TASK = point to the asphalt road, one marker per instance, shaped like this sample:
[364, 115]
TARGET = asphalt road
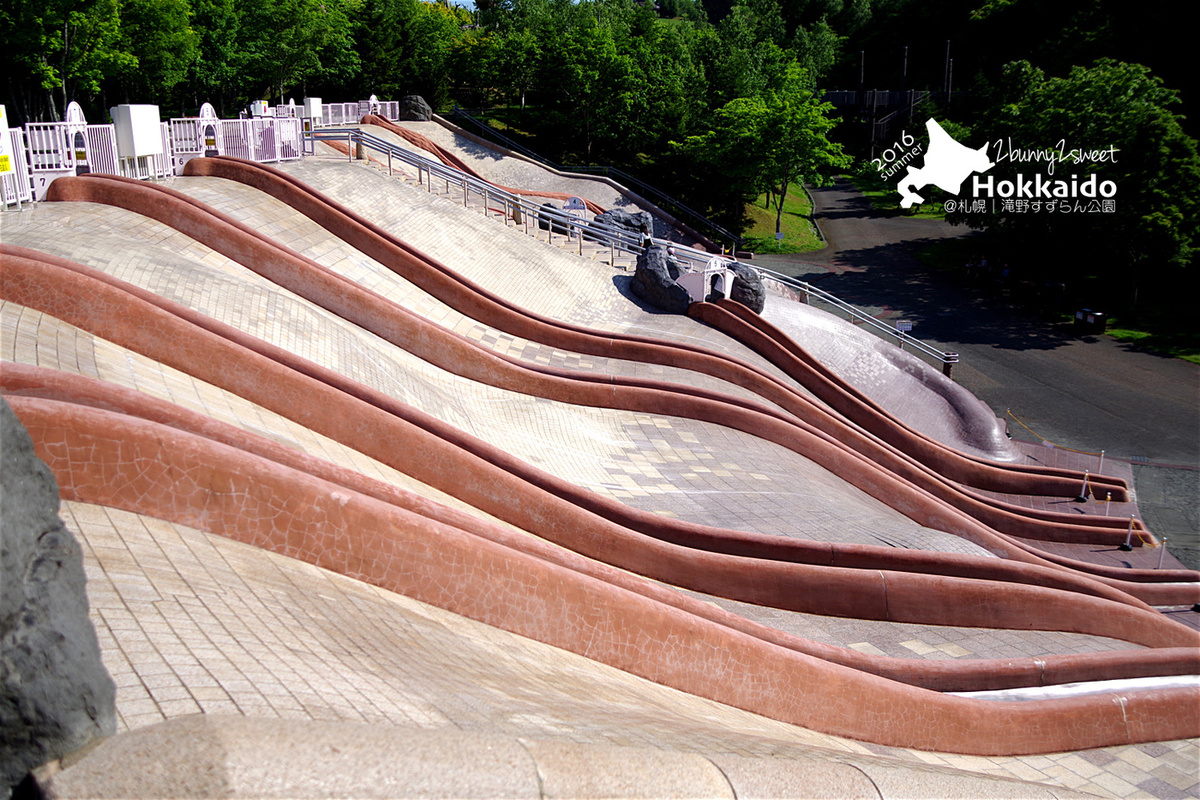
[1088, 392]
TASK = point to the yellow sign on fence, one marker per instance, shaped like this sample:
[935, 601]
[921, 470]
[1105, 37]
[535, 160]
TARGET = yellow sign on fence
[6, 162]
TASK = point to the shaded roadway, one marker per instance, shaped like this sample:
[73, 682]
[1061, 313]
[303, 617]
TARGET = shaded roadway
[1083, 392]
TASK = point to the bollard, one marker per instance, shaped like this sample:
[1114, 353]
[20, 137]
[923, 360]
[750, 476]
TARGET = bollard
[1128, 545]
[1162, 553]
[1083, 492]
[1107, 503]
[1100, 468]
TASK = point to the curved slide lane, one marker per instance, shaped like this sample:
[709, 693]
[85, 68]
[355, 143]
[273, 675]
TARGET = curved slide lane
[25, 386]
[137, 463]
[1005, 517]
[478, 303]
[465, 358]
[487, 478]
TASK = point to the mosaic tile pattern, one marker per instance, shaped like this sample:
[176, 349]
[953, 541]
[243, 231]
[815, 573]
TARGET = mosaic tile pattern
[190, 622]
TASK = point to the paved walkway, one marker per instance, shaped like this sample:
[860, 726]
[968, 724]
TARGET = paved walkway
[190, 622]
[1088, 393]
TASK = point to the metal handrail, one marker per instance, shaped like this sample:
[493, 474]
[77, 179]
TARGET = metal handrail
[944, 358]
[559, 221]
[657, 195]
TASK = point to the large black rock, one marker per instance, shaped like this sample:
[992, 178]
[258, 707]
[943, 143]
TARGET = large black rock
[748, 287]
[55, 694]
[413, 107]
[640, 222]
[546, 221]
[654, 281]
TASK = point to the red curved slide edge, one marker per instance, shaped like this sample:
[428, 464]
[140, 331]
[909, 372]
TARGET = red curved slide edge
[1003, 518]
[744, 325]
[673, 531]
[750, 545]
[449, 158]
[163, 472]
[1008, 518]
[739, 322]
[478, 303]
[787, 354]
[889, 477]
[432, 454]
[1161, 595]
[22, 383]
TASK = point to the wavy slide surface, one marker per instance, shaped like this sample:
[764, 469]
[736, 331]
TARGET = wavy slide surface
[266, 495]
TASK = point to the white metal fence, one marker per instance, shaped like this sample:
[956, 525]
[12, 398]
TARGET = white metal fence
[334, 114]
[44, 151]
[262, 138]
[17, 186]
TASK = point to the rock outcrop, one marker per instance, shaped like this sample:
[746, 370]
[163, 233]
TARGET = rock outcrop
[55, 694]
[654, 281]
[414, 108]
[748, 287]
[640, 222]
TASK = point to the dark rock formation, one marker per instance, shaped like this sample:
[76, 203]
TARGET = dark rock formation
[748, 287]
[545, 220]
[640, 222]
[413, 107]
[654, 281]
[55, 694]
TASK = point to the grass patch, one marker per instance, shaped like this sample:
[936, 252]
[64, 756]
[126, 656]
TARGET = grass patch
[885, 199]
[799, 232]
[1176, 344]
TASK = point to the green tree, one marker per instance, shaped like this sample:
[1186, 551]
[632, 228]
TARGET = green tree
[159, 36]
[57, 51]
[408, 47]
[1149, 239]
[768, 142]
[216, 73]
[519, 62]
[291, 41]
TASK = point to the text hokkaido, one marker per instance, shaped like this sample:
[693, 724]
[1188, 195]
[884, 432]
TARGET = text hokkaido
[1039, 187]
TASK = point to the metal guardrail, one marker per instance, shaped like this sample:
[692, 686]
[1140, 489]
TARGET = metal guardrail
[521, 210]
[658, 197]
[946, 360]
[563, 223]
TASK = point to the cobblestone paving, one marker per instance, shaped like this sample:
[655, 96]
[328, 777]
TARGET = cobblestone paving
[191, 622]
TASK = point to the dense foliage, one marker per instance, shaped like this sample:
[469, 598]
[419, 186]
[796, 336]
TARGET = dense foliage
[718, 101]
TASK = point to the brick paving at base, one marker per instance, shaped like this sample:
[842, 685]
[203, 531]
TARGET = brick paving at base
[189, 622]
[193, 623]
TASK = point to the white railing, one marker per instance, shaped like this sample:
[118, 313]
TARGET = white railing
[45, 151]
[262, 139]
[335, 114]
[56, 149]
[804, 292]
[16, 185]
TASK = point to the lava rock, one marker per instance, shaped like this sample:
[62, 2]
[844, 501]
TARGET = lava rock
[654, 281]
[545, 221]
[414, 108]
[55, 694]
[640, 222]
[748, 287]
